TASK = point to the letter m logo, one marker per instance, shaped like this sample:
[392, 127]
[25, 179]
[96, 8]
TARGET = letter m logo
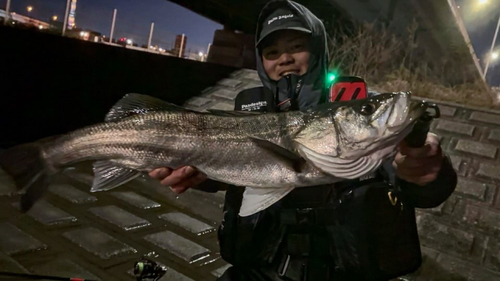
[348, 88]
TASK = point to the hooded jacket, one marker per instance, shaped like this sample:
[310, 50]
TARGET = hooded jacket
[312, 89]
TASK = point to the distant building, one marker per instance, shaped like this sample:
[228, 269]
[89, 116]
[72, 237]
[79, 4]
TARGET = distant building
[87, 35]
[232, 49]
[180, 45]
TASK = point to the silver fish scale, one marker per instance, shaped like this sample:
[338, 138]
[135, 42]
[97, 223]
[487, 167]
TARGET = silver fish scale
[219, 146]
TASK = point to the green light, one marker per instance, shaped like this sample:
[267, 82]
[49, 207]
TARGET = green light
[331, 77]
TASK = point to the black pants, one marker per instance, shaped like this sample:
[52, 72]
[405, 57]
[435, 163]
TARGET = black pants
[242, 274]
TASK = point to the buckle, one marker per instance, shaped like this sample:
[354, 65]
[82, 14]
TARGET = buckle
[394, 199]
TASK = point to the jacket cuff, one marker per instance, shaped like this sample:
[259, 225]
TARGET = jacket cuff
[434, 193]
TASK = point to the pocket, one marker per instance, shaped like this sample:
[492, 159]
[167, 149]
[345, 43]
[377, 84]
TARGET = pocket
[376, 234]
[393, 230]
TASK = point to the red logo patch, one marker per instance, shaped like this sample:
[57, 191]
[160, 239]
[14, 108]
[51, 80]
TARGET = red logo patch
[348, 88]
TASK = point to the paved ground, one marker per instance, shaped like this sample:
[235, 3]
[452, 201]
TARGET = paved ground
[73, 232]
[100, 235]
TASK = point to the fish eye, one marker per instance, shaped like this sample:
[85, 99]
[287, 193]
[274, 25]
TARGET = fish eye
[367, 108]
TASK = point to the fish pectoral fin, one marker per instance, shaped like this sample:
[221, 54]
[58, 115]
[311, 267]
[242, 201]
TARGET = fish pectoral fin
[342, 168]
[232, 113]
[258, 199]
[295, 161]
[133, 104]
[108, 176]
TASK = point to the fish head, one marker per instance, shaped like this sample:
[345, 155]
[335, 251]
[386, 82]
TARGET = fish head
[354, 129]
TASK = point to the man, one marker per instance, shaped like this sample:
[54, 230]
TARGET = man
[292, 65]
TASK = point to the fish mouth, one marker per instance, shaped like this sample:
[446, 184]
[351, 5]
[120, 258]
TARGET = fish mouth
[405, 111]
[417, 109]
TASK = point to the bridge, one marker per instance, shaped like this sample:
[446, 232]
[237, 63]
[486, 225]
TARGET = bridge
[440, 28]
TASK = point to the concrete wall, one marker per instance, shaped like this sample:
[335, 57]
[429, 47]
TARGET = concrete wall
[50, 84]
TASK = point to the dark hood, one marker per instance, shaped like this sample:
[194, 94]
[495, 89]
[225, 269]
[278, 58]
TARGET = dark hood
[313, 90]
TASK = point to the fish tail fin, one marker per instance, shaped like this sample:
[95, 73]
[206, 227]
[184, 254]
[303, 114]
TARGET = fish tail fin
[25, 164]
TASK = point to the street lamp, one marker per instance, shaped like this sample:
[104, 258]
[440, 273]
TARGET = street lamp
[54, 18]
[129, 42]
[493, 55]
[29, 8]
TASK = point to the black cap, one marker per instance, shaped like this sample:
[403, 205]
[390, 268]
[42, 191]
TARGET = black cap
[282, 19]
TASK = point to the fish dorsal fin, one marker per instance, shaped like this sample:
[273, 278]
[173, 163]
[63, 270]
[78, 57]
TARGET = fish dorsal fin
[108, 176]
[232, 113]
[132, 104]
[294, 160]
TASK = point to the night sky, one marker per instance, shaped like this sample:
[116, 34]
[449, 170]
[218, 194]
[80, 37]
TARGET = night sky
[481, 21]
[135, 16]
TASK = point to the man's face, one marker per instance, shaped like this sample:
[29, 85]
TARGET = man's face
[286, 52]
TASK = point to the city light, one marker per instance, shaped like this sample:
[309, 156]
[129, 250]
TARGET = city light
[200, 54]
[40, 27]
[29, 8]
[85, 35]
[54, 18]
[129, 42]
[495, 55]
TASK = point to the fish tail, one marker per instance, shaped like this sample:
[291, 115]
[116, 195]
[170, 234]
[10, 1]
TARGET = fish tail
[25, 164]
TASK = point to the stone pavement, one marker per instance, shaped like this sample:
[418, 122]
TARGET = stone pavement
[73, 232]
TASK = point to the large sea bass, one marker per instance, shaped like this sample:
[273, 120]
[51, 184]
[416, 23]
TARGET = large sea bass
[270, 154]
